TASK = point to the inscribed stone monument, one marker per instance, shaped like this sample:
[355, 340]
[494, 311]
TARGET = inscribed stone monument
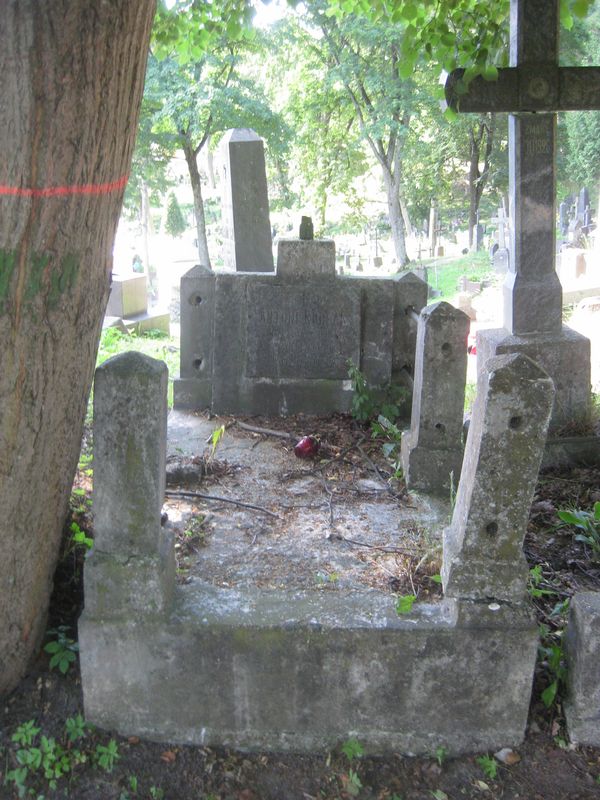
[533, 89]
[245, 203]
[280, 344]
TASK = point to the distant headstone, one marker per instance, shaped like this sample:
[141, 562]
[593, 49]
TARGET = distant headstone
[483, 546]
[281, 344]
[247, 245]
[307, 232]
[432, 449]
[128, 301]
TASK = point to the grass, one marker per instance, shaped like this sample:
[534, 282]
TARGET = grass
[444, 274]
[155, 344]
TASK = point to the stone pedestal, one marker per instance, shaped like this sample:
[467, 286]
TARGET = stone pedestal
[582, 647]
[432, 449]
[131, 566]
[302, 257]
[565, 356]
[483, 546]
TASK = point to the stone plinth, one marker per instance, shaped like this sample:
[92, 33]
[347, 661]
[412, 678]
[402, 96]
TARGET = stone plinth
[247, 245]
[582, 647]
[128, 296]
[565, 356]
[301, 257]
[131, 565]
[432, 449]
[483, 546]
[280, 344]
[301, 671]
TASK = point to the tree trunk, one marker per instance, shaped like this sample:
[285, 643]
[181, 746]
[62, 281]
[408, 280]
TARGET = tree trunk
[392, 191]
[192, 163]
[145, 220]
[72, 80]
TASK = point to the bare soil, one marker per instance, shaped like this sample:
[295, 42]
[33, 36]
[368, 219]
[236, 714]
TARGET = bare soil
[545, 766]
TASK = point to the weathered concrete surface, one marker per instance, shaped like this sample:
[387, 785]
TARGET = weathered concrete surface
[432, 450]
[564, 355]
[582, 647]
[483, 545]
[303, 672]
[256, 344]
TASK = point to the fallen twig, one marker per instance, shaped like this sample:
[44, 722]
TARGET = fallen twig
[379, 547]
[264, 431]
[199, 496]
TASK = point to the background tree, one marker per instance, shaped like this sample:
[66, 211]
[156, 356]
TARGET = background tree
[175, 223]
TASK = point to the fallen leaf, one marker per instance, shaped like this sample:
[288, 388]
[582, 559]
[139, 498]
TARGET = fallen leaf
[439, 795]
[482, 785]
[507, 756]
[134, 740]
[169, 756]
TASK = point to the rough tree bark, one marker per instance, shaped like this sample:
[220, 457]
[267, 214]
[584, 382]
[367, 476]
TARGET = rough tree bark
[72, 80]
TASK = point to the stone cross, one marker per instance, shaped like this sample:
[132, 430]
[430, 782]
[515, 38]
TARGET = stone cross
[533, 89]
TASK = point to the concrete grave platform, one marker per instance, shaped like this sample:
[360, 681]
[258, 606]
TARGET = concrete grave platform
[283, 667]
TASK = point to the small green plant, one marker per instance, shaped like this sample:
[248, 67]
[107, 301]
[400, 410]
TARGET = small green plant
[552, 655]
[387, 430]
[535, 583]
[76, 728]
[405, 603]
[63, 649]
[105, 756]
[352, 749]
[370, 402]
[352, 783]
[156, 793]
[215, 438]
[588, 522]
[489, 766]
[441, 754]
[25, 734]
[78, 537]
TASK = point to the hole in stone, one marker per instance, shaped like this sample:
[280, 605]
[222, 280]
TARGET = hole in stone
[195, 300]
[491, 528]
[446, 348]
[439, 427]
[197, 363]
[515, 423]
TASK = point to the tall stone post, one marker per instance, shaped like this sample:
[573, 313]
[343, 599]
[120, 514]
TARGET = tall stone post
[483, 546]
[131, 568]
[432, 448]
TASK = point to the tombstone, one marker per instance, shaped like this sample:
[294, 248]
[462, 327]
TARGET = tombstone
[483, 546]
[582, 650]
[247, 244]
[131, 566]
[500, 255]
[563, 219]
[533, 89]
[128, 301]
[432, 449]
[280, 344]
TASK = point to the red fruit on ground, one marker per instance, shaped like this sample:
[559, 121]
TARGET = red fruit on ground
[306, 447]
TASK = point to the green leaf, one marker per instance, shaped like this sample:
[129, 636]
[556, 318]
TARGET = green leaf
[580, 8]
[436, 578]
[549, 694]
[405, 603]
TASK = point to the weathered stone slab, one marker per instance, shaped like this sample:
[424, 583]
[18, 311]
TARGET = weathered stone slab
[131, 565]
[305, 257]
[302, 671]
[483, 546]
[275, 344]
[582, 647]
[245, 203]
[565, 356]
[432, 449]
[128, 296]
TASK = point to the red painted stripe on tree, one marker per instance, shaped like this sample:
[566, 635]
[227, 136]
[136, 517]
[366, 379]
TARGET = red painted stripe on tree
[64, 191]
